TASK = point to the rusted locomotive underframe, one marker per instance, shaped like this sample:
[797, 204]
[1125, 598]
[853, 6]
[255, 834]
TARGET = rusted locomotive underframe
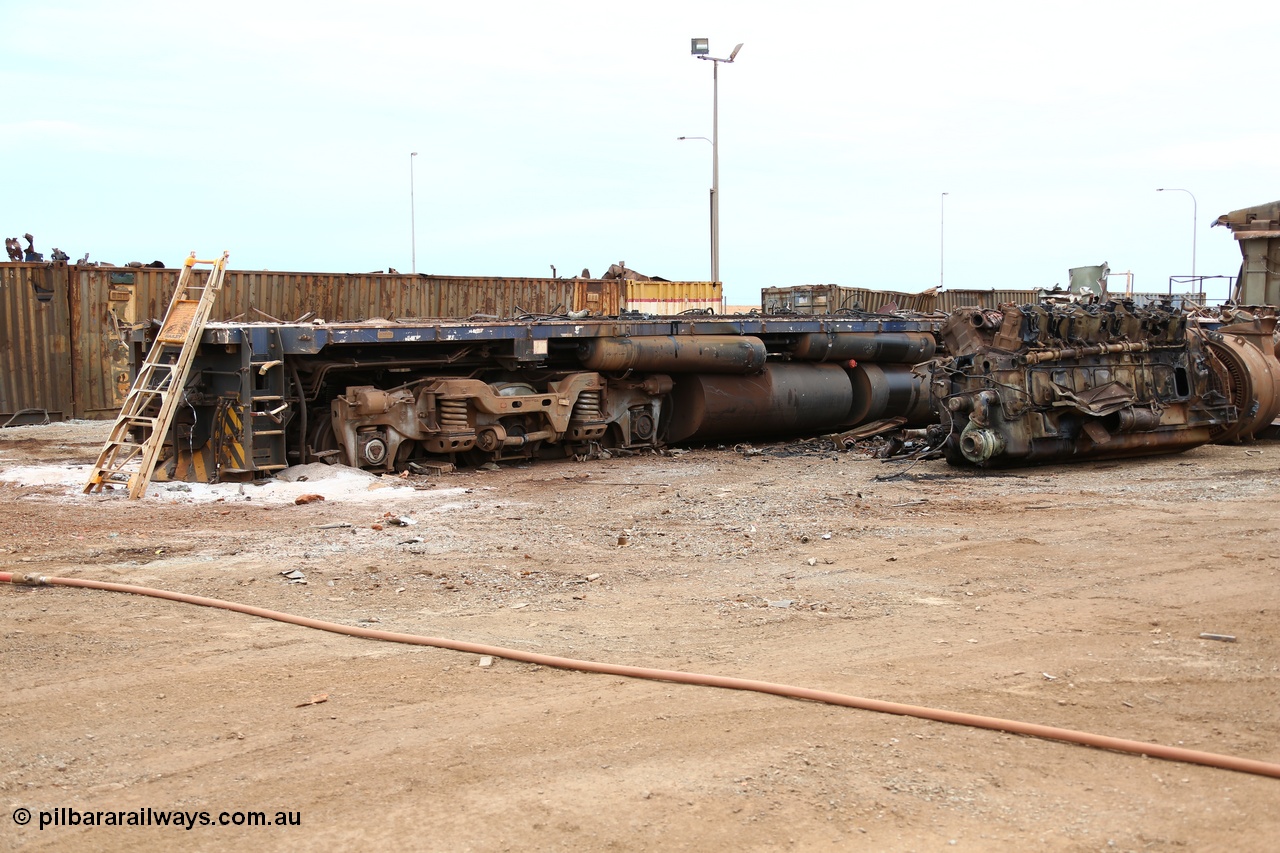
[1039, 383]
[253, 408]
[1019, 385]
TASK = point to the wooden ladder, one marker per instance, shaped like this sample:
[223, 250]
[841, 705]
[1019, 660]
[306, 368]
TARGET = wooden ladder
[133, 448]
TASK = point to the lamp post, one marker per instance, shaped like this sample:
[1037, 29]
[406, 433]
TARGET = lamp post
[413, 225]
[714, 259]
[1194, 217]
[942, 239]
[701, 48]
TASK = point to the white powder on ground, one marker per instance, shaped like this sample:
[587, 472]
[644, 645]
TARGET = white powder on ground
[335, 482]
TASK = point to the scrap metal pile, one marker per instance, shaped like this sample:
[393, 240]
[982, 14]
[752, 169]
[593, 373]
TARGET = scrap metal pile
[1055, 382]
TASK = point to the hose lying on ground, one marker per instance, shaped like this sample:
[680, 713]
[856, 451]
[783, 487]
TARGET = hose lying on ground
[1154, 750]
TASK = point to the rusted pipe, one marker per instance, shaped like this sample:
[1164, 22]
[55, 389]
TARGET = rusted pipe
[528, 438]
[1039, 356]
[1153, 750]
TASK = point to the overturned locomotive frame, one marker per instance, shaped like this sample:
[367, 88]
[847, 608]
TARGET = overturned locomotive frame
[384, 395]
[1018, 385]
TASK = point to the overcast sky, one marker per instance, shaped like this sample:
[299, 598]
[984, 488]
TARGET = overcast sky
[546, 134]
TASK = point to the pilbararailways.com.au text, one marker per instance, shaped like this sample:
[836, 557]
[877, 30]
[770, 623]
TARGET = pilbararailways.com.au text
[66, 817]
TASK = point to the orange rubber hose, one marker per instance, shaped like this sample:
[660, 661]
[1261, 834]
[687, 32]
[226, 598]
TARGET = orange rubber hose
[1154, 750]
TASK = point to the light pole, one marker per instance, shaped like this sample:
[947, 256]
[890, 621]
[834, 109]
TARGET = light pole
[714, 259]
[701, 48]
[1194, 217]
[942, 239]
[413, 225]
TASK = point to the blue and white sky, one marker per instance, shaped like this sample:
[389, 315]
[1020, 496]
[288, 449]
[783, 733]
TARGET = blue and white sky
[546, 134]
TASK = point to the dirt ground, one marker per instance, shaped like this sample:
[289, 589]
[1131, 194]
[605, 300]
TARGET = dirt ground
[1070, 596]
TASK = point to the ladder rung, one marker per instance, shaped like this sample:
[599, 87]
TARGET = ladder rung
[157, 378]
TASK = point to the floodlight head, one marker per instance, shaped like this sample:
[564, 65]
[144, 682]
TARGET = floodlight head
[700, 47]
[735, 52]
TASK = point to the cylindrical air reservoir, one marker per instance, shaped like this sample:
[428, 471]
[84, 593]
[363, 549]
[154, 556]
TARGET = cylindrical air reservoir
[672, 354]
[786, 399]
[896, 347]
[889, 391]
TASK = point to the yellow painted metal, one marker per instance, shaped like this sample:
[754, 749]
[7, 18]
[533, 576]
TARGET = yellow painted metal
[666, 298]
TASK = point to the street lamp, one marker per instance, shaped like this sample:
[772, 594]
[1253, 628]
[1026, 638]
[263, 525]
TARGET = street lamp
[713, 208]
[942, 239]
[701, 48]
[1193, 221]
[413, 226]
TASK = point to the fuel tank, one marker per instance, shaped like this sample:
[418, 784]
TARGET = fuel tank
[890, 391]
[784, 399]
[896, 347]
[670, 354]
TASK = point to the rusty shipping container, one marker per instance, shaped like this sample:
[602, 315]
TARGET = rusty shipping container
[952, 300]
[836, 299]
[341, 298]
[35, 341]
[668, 298]
[1179, 301]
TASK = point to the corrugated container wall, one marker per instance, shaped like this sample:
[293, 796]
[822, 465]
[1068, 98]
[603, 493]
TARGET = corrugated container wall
[667, 298]
[950, 300]
[1180, 301]
[337, 298]
[35, 340]
[836, 299]
[102, 323]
